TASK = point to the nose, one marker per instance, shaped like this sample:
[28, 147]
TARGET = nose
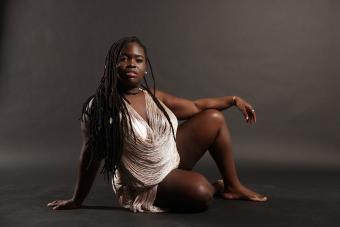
[131, 63]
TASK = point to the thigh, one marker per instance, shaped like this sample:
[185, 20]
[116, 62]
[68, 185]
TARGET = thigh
[196, 135]
[183, 189]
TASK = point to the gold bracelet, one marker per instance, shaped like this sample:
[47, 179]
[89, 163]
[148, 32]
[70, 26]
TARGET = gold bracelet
[234, 100]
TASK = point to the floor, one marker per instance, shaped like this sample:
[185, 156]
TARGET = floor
[297, 196]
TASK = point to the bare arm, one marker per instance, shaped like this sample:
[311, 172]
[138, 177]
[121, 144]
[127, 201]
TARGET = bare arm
[186, 108]
[219, 103]
[85, 175]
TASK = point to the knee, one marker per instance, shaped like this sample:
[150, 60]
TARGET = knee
[214, 115]
[201, 195]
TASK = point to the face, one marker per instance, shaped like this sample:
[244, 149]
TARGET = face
[131, 65]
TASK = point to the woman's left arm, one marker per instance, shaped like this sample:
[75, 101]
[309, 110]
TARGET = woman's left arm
[185, 108]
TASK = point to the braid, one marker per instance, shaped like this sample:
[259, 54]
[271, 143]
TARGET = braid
[106, 129]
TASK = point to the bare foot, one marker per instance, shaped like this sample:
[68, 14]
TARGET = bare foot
[237, 193]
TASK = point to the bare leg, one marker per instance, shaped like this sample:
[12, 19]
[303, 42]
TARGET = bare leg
[221, 151]
[184, 191]
[205, 131]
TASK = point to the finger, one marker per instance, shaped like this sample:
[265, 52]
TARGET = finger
[245, 114]
[251, 113]
[251, 116]
[254, 115]
[52, 203]
[250, 119]
[62, 207]
[57, 207]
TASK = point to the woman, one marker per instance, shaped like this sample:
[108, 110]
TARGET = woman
[134, 131]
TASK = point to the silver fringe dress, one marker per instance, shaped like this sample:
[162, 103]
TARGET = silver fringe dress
[146, 163]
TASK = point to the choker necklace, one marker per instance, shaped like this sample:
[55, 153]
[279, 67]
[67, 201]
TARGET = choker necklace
[139, 89]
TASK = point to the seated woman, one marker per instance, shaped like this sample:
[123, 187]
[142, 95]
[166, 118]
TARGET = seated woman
[133, 130]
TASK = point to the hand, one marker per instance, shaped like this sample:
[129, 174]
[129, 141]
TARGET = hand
[247, 110]
[64, 204]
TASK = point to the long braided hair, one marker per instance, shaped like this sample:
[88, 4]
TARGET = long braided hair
[101, 112]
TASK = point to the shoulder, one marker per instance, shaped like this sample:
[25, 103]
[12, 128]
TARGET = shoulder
[85, 119]
[87, 108]
[90, 103]
[161, 95]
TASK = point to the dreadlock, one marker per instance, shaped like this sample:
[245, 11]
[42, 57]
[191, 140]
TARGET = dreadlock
[101, 112]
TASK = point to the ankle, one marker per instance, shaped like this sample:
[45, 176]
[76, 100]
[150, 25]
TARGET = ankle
[233, 185]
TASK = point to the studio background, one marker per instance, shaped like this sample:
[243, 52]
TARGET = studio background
[280, 56]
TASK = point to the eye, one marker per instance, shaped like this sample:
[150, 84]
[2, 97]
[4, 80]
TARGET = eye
[122, 58]
[139, 60]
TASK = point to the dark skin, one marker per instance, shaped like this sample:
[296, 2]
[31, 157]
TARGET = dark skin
[205, 129]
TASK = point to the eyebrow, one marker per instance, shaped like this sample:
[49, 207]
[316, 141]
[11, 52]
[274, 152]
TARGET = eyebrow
[136, 55]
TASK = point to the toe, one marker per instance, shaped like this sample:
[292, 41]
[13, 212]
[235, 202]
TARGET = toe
[219, 186]
[258, 198]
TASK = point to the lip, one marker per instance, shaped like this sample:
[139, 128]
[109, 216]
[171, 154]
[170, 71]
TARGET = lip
[131, 74]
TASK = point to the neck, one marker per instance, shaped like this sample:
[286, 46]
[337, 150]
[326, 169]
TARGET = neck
[129, 90]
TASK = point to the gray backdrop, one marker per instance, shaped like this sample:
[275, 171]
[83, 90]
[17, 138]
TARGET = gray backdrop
[281, 56]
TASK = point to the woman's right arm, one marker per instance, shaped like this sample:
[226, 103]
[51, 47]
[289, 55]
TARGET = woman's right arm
[85, 175]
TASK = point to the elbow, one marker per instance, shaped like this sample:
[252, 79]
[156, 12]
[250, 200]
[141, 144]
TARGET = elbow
[198, 107]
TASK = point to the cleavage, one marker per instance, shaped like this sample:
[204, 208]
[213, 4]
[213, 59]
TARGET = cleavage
[139, 105]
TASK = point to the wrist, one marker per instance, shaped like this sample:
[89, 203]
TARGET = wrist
[76, 201]
[234, 100]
